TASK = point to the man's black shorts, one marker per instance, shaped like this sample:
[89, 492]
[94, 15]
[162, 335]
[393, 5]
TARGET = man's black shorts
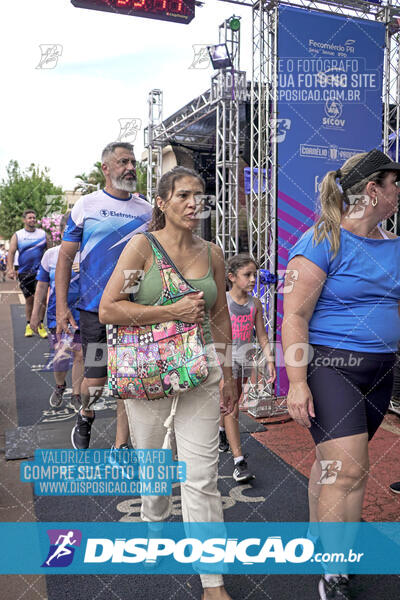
[27, 283]
[94, 345]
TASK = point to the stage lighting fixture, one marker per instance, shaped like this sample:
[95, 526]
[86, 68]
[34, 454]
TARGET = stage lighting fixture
[219, 56]
[234, 23]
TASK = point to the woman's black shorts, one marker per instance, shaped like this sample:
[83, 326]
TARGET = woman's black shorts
[351, 391]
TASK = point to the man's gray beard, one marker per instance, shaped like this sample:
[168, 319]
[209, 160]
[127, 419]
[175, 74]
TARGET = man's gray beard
[123, 184]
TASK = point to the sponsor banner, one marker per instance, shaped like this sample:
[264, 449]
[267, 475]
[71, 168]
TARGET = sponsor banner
[177, 548]
[329, 88]
[103, 472]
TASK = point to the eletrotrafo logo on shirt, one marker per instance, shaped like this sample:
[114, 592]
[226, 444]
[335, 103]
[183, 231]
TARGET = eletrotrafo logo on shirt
[63, 543]
[113, 213]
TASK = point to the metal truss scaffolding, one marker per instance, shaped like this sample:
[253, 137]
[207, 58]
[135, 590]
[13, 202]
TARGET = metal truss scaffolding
[227, 91]
[261, 207]
[391, 91]
[224, 86]
[154, 145]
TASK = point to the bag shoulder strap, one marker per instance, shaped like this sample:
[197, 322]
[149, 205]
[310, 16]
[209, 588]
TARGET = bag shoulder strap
[157, 246]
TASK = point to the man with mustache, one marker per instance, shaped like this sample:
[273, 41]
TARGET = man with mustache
[100, 223]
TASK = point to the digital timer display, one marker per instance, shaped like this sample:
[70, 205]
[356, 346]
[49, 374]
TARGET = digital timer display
[177, 11]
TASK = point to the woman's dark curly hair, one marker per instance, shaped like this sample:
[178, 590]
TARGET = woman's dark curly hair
[165, 190]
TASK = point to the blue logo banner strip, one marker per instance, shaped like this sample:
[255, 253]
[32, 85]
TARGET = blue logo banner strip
[177, 548]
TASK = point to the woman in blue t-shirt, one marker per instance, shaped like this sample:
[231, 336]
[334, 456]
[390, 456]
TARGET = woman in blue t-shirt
[343, 312]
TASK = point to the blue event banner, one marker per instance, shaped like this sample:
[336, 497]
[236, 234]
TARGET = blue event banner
[329, 101]
[184, 548]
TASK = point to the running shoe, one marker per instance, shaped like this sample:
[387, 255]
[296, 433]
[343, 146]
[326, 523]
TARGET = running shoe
[394, 405]
[395, 487]
[337, 588]
[57, 396]
[241, 473]
[121, 447]
[114, 450]
[28, 330]
[223, 442]
[42, 331]
[113, 460]
[80, 435]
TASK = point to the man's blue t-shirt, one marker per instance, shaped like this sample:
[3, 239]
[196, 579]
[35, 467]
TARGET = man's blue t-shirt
[358, 306]
[103, 225]
[31, 246]
[47, 272]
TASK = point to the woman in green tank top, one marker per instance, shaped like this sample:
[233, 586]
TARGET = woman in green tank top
[196, 420]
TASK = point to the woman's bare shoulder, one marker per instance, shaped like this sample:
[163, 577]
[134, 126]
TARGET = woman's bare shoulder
[216, 250]
[139, 245]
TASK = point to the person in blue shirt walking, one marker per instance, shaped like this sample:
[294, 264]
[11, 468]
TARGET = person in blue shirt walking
[100, 223]
[344, 311]
[31, 243]
[3, 262]
[62, 345]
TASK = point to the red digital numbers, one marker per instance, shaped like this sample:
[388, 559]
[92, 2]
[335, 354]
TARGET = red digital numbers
[178, 11]
[163, 4]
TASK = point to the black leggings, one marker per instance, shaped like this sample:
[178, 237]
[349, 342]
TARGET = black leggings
[351, 391]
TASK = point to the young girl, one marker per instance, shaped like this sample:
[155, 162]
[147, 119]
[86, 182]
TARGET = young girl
[246, 314]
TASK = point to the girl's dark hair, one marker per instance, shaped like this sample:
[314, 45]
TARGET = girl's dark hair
[238, 262]
[165, 190]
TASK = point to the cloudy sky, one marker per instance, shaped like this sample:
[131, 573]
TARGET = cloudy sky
[61, 117]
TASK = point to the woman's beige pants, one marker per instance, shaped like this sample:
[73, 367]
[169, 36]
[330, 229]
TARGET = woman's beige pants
[196, 430]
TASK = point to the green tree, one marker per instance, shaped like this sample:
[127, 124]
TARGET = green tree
[141, 174]
[95, 180]
[24, 189]
[92, 182]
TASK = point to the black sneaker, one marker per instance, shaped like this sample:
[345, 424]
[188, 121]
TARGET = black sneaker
[337, 588]
[223, 442]
[80, 435]
[395, 487]
[56, 398]
[241, 473]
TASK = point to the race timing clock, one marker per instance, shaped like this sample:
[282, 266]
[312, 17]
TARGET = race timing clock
[177, 11]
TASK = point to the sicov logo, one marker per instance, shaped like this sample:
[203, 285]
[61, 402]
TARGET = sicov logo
[62, 547]
[333, 110]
